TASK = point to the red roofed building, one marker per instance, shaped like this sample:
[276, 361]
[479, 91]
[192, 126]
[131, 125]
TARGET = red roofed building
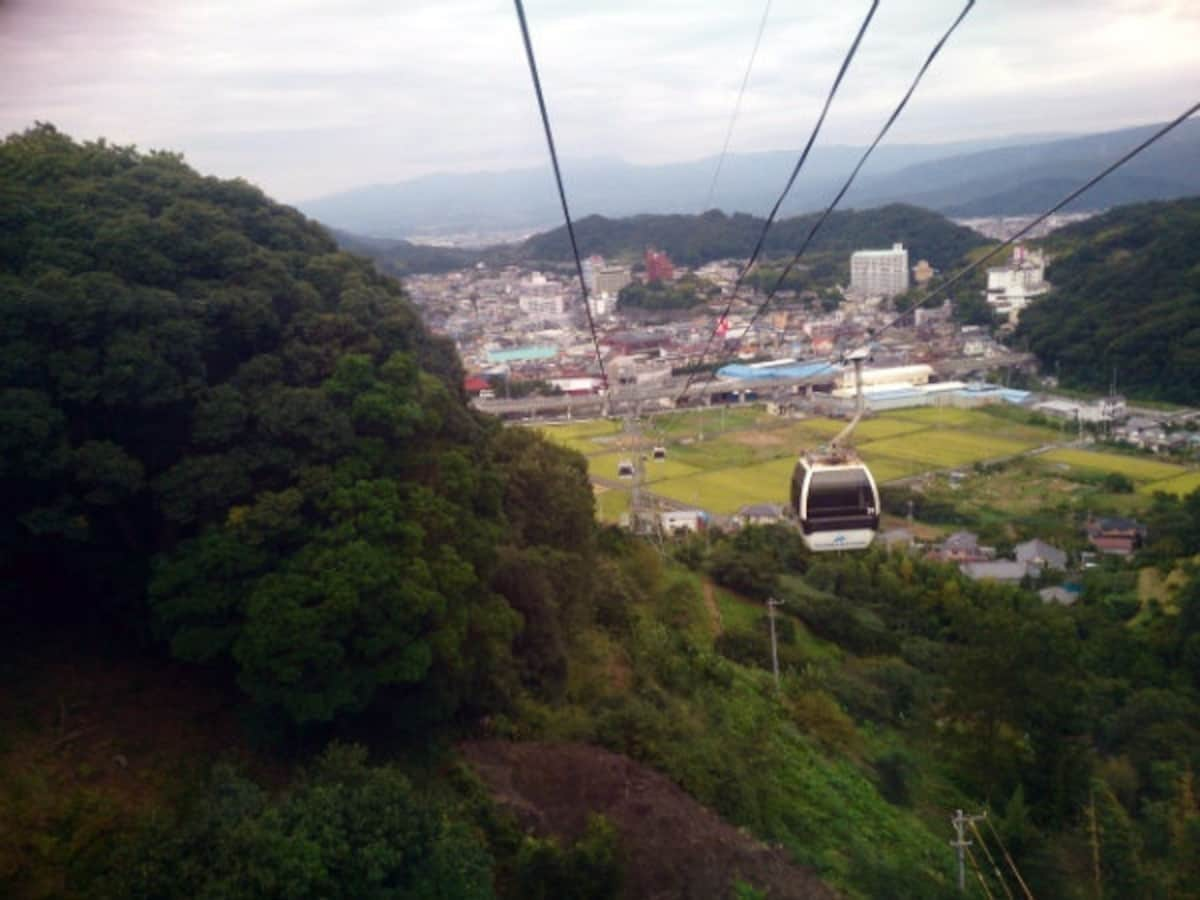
[658, 266]
[473, 384]
[1116, 535]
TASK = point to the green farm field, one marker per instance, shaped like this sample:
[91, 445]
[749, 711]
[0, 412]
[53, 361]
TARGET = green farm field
[604, 465]
[944, 416]
[945, 448]
[724, 461]
[1135, 467]
[1180, 485]
[611, 504]
[725, 491]
[581, 430]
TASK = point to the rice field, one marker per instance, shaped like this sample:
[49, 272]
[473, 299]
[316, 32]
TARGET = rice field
[581, 430]
[884, 470]
[946, 416]
[611, 504]
[725, 491]
[605, 465]
[1136, 468]
[944, 449]
[1180, 485]
[746, 456]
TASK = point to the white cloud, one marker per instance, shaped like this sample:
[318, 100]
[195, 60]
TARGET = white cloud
[304, 97]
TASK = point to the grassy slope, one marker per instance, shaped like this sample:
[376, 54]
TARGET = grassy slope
[796, 772]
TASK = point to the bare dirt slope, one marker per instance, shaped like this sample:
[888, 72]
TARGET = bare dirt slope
[672, 846]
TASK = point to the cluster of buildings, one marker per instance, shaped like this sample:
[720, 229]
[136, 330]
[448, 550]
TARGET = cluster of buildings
[1032, 559]
[514, 324]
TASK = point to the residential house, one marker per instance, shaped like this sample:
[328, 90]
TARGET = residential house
[473, 384]
[1039, 553]
[682, 521]
[1007, 570]
[962, 547]
[758, 514]
[1116, 535]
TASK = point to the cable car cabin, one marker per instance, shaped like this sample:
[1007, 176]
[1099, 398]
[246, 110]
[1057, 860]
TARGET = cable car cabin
[660, 452]
[625, 468]
[836, 502]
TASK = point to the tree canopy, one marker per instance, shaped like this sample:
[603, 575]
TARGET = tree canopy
[1126, 300]
[218, 427]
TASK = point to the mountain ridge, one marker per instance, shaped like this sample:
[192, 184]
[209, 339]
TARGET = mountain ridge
[946, 178]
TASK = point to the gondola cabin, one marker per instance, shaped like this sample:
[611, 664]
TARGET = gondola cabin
[625, 468]
[836, 502]
[660, 453]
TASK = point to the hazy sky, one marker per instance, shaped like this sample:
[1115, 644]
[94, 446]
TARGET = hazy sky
[306, 97]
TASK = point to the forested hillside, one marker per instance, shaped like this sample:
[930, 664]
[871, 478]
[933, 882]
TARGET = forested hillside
[693, 240]
[1126, 300]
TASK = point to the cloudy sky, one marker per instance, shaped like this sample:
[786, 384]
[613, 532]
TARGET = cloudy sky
[305, 97]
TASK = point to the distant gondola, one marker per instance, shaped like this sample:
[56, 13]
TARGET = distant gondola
[625, 468]
[660, 453]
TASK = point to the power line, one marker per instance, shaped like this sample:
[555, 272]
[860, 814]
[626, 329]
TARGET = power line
[979, 874]
[762, 237]
[1087, 186]
[817, 225]
[562, 194]
[712, 187]
[992, 861]
[1008, 857]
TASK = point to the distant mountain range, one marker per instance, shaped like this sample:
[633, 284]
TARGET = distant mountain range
[1012, 176]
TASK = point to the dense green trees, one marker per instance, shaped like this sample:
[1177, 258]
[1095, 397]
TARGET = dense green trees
[1126, 300]
[1048, 715]
[217, 426]
[344, 830]
[684, 293]
[694, 240]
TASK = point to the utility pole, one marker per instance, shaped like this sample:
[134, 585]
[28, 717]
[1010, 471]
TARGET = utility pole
[960, 844]
[1095, 836]
[771, 604]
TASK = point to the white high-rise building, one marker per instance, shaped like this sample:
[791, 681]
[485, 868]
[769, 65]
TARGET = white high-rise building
[1013, 287]
[879, 273]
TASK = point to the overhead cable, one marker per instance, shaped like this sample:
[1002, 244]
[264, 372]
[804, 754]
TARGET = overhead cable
[1012, 865]
[562, 194]
[762, 237]
[891, 120]
[1087, 186]
[712, 185]
[937, 48]
[991, 859]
